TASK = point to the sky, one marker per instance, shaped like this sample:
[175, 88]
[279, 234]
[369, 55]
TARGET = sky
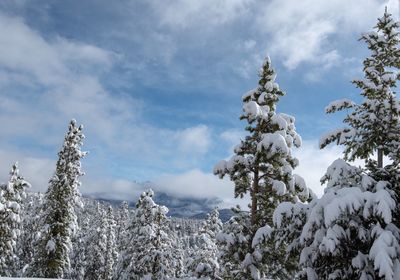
[158, 84]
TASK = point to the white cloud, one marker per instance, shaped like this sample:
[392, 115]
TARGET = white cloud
[299, 31]
[232, 137]
[118, 189]
[181, 13]
[194, 140]
[64, 80]
[36, 170]
[196, 183]
[314, 162]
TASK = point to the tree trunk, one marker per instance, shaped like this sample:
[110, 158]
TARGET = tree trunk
[254, 193]
[380, 158]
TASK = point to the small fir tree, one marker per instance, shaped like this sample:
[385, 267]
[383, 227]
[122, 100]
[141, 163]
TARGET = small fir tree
[11, 209]
[150, 253]
[203, 261]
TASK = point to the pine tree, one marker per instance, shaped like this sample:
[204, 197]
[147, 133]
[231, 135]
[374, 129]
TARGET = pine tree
[58, 218]
[111, 254]
[30, 225]
[11, 208]
[373, 125]
[101, 248]
[150, 253]
[263, 167]
[96, 247]
[122, 225]
[80, 245]
[349, 233]
[234, 244]
[203, 261]
[352, 231]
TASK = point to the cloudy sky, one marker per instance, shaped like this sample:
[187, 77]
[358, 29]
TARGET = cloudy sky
[158, 84]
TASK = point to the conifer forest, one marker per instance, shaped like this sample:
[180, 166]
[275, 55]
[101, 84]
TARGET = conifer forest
[351, 231]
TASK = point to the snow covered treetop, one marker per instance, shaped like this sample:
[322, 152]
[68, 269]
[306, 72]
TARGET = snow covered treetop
[262, 100]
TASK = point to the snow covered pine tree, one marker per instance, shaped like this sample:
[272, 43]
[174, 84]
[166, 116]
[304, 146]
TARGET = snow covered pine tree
[58, 218]
[203, 261]
[263, 166]
[101, 248]
[11, 208]
[150, 253]
[350, 232]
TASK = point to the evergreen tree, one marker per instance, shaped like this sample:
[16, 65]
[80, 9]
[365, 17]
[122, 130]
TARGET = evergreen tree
[111, 253]
[234, 244]
[101, 248]
[58, 218]
[96, 247]
[80, 245]
[11, 208]
[373, 125]
[203, 261]
[349, 233]
[352, 231]
[122, 225]
[150, 253]
[263, 167]
[30, 225]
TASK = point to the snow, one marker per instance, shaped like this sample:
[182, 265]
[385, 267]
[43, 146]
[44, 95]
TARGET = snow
[383, 250]
[50, 246]
[273, 143]
[253, 110]
[280, 121]
[279, 187]
[11, 278]
[339, 105]
[261, 234]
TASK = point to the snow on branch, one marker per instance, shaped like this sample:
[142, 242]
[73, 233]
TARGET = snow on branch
[340, 135]
[338, 105]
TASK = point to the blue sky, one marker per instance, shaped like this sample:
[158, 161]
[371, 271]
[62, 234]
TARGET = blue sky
[158, 84]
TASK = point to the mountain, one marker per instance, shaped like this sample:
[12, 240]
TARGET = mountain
[180, 207]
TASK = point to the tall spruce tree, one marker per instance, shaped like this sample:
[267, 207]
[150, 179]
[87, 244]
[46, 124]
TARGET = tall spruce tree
[263, 167]
[351, 233]
[58, 218]
[373, 125]
[11, 209]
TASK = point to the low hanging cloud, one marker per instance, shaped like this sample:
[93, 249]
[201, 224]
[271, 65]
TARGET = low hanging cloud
[193, 183]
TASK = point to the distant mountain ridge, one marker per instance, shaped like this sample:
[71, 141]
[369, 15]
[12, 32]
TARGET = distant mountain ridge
[185, 207]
